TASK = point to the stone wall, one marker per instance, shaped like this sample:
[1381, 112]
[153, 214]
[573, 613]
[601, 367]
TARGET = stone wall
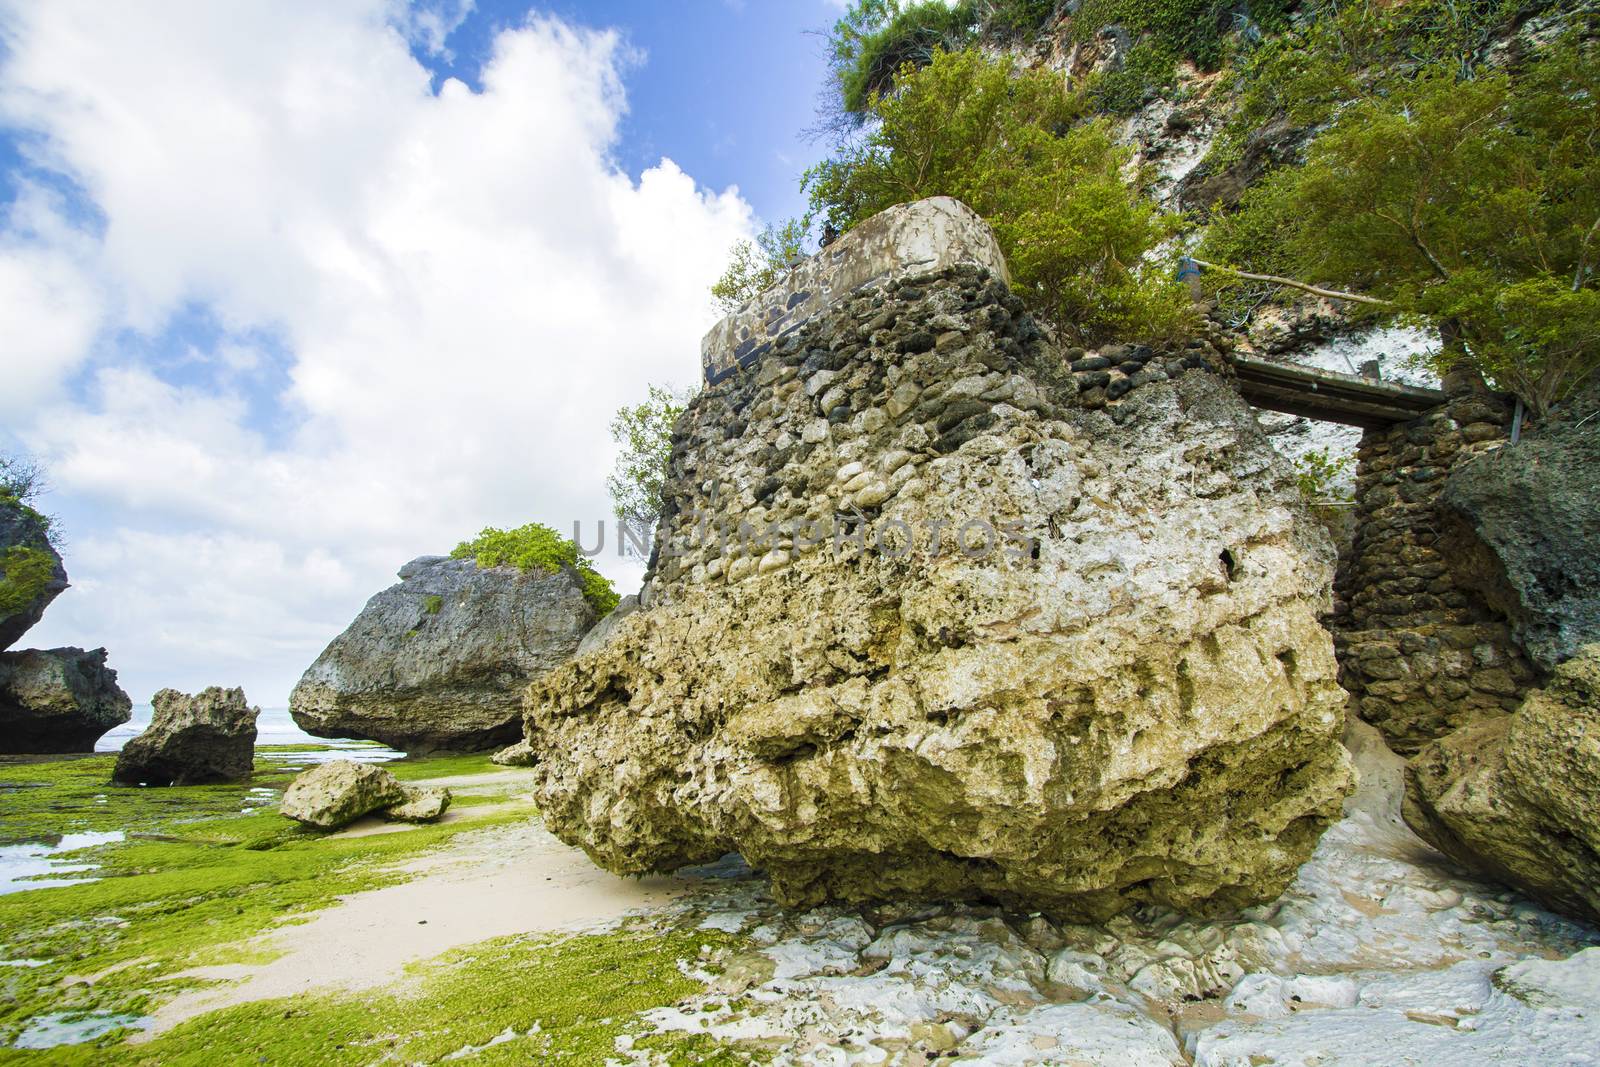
[1419, 651]
[1004, 623]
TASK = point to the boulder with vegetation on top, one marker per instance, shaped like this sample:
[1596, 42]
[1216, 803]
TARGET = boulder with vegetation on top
[440, 660]
[31, 574]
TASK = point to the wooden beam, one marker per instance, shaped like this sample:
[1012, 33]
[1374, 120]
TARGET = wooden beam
[1331, 396]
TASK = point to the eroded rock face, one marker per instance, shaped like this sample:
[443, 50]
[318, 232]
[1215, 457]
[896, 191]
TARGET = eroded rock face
[58, 700]
[440, 660]
[1518, 797]
[1136, 706]
[337, 793]
[31, 574]
[1523, 524]
[192, 740]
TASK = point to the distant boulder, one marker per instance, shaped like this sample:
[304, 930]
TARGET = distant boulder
[422, 804]
[31, 574]
[58, 700]
[440, 660]
[520, 754]
[192, 740]
[335, 794]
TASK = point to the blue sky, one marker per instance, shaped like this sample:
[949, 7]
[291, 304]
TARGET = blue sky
[724, 89]
[294, 291]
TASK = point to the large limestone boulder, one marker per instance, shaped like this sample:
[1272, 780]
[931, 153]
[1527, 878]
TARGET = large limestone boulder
[1522, 526]
[337, 793]
[31, 574]
[58, 700]
[1517, 797]
[440, 660]
[192, 740]
[1128, 699]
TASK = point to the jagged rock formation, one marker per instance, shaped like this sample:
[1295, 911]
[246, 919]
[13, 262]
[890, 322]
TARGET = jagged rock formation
[1127, 698]
[58, 700]
[440, 660]
[1518, 796]
[335, 794]
[192, 740]
[31, 574]
[1522, 525]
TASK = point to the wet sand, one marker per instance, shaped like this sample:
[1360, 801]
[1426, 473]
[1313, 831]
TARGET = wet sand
[499, 882]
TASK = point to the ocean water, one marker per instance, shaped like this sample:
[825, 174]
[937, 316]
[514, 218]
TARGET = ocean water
[42, 864]
[274, 727]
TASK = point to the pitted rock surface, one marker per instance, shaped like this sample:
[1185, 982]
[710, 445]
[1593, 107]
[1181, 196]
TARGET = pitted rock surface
[192, 740]
[337, 793]
[58, 700]
[440, 660]
[1517, 797]
[1129, 700]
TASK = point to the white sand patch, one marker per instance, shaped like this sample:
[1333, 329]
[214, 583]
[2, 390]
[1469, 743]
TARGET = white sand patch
[495, 883]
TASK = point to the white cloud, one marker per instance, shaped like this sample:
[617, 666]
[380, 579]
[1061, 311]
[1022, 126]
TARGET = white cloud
[466, 285]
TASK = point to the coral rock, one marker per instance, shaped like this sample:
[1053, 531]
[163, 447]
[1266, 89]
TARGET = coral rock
[336, 793]
[58, 700]
[192, 740]
[1126, 698]
[1517, 797]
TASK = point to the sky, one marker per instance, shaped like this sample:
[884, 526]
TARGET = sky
[293, 291]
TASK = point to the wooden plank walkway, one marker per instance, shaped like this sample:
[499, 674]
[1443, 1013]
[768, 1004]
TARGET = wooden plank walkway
[1329, 395]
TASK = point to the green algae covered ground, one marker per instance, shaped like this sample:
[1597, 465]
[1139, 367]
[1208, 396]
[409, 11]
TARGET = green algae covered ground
[200, 876]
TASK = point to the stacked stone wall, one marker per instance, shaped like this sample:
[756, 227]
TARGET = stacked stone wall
[1421, 653]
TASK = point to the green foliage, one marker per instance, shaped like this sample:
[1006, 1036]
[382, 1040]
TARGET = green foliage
[1014, 146]
[756, 267]
[1318, 474]
[537, 547]
[22, 481]
[645, 433]
[1164, 32]
[876, 39]
[24, 572]
[1471, 204]
[1148, 69]
[1341, 53]
[433, 604]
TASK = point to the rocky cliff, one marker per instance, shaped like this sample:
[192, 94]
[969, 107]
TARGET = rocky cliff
[924, 624]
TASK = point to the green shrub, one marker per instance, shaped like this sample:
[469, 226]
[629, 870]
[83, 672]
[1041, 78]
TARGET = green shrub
[876, 39]
[756, 267]
[645, 433]
[1470, 204]
[1015, 147]
[537, 547]
[433, 604]
[1337, 54]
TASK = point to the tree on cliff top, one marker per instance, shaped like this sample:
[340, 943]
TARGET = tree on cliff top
[1470, 204]
[1016, 147]
[645, 433]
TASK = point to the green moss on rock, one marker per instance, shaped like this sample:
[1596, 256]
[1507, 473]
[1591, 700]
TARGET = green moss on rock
[538, 547]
